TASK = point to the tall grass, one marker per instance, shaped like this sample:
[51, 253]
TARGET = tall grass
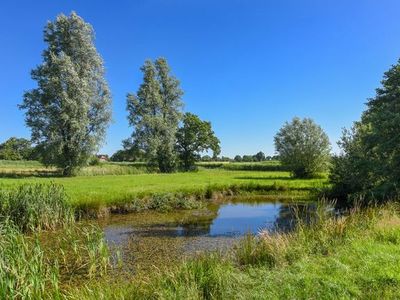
[35, 264]
[24, 273]
[352, 256]
[113, 169]
[36, 206]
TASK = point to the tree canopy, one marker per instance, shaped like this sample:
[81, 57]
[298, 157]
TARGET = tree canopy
[194, 137]
[69, 111]
[369, 165]
[16, 149]
[303, 147]
[154, 112]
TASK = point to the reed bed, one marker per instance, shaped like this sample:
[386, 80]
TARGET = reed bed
[34, 207]
[350, 256]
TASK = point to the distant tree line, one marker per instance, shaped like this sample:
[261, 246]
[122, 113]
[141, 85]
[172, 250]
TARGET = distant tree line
[259, 156]
[18, 149]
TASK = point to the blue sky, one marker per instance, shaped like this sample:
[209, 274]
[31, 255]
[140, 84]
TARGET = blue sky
[246, 66]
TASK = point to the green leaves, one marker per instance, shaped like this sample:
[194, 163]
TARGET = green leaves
[69, 110]
[370, 163]
[194, 137]
[154, 112]
[304, 147]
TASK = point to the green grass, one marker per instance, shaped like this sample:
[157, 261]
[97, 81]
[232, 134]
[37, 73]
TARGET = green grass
[97, 191]
[21, 169]
[37, 206]
[351, 257]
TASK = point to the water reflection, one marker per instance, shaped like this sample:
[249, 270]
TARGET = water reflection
[150, 236]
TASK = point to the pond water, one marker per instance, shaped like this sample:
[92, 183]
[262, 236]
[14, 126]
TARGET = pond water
[154, 238]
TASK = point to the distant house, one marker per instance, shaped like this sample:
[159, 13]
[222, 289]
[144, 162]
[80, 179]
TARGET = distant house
[102, 157]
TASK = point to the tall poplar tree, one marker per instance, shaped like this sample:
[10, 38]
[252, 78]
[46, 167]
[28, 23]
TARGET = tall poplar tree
[69, 110]
[154, 112]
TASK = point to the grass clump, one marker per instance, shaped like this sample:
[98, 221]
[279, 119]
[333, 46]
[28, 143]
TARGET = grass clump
[80, 252]
[206, 277]
[36, 206]
[24, 273]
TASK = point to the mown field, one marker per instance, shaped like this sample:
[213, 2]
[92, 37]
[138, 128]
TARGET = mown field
[105, 190]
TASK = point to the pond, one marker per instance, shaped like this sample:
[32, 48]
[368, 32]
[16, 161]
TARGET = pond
[156, 238]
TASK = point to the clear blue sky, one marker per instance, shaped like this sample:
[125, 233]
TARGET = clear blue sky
[247, 66]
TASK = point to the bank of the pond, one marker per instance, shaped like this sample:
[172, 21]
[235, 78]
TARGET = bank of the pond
[350, 257]
[149, 238]
[96, 195]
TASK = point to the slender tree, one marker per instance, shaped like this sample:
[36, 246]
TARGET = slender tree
[69, 111]
[154, 112]
[194, 137]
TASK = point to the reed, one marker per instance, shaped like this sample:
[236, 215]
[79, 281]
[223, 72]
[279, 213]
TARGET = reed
[36, 206]
[24, 273]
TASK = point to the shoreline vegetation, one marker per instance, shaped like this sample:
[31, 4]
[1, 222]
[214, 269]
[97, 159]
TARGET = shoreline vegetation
[49, 255]
[99, 195]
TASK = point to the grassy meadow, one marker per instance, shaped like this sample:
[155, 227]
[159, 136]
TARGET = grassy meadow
[45, 253]
[92, 189]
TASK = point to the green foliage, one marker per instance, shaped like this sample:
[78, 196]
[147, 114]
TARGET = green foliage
[370, 163]
[207, 277]
[126, 155]
[36, 206]
[94, 161]
[237, 158]
[194, 137]
[260, 156]
[16, 149]
[154, 112]
[24, 273]
[38, 266]
[70, 109]
[303, 147]
[80, 252]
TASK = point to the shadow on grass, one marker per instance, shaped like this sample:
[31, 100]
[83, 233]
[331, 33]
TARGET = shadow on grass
[21, 175]
[264, 178]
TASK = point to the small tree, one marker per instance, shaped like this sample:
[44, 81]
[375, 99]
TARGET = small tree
[69, 111]
[303, 147]
[238, 158]
[260, 156]
[194, 137]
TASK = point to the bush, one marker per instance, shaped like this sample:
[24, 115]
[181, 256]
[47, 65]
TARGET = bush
[94, 161]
